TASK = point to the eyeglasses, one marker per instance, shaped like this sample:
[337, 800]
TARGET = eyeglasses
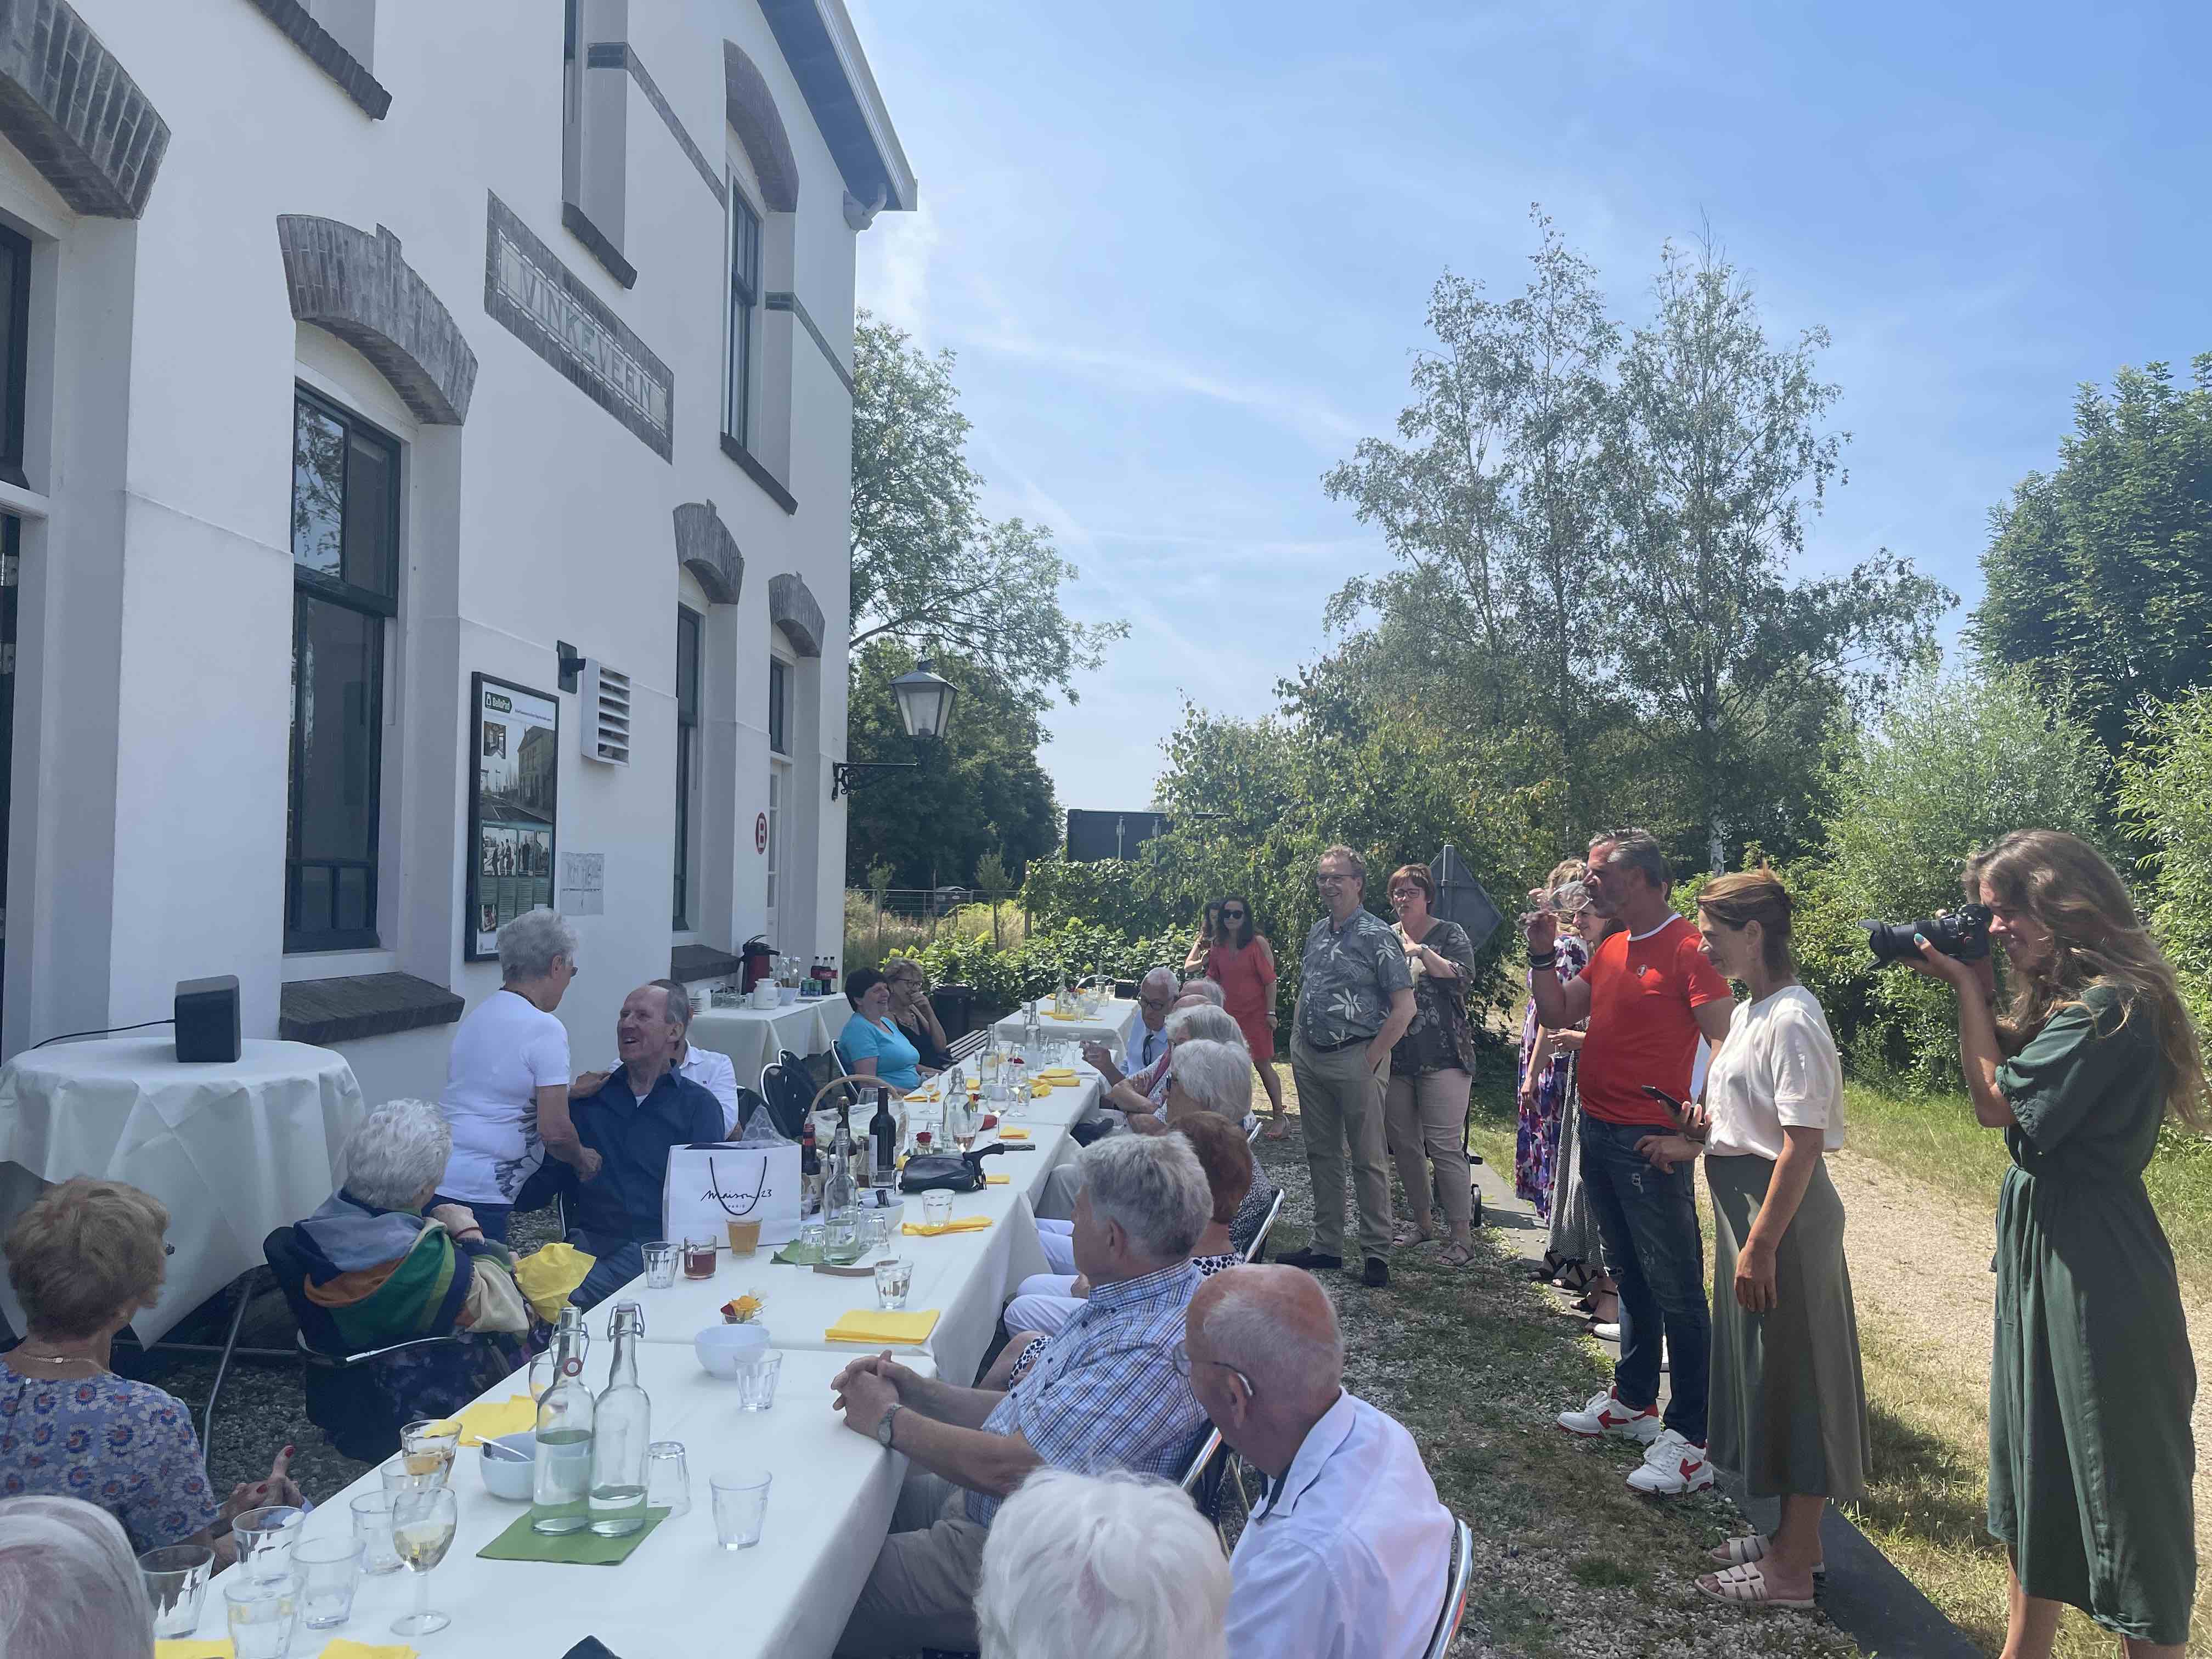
[1327, 879]
[1232, 915]
[1181, 1361]
[1155, 1002]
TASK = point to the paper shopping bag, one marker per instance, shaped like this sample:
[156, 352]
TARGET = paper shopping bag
[708, 1187]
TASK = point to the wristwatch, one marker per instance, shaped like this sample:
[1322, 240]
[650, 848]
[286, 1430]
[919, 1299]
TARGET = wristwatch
[883, 1425]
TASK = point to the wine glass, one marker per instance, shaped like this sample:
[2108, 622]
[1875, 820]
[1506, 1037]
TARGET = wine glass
[422, 1525]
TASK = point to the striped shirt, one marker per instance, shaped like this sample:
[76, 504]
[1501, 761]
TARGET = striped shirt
[1104, 1393]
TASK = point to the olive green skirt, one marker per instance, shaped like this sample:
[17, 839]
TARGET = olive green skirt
[1787, 1412]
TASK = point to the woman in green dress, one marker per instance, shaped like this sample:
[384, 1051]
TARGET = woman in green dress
[2091, 1383]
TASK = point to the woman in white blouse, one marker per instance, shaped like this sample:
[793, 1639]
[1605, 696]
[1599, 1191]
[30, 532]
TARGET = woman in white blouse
[1787, 1411]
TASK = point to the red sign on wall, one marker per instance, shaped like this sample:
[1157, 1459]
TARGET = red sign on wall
[759, 833]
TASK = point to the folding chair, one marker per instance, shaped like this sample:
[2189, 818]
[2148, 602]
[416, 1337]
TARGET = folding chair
[1259, 1250]
[1456, 1582]
[969, 1045]
[786, 1092]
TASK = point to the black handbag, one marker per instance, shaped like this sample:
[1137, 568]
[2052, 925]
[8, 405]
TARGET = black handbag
[946, 1172]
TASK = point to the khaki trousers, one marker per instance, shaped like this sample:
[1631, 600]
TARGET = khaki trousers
[922, 1592]
[1427, 1114]
[1341, 1105]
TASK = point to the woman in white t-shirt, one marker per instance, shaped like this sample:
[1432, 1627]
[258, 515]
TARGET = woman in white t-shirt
[506, 1082]
[1788, 1410]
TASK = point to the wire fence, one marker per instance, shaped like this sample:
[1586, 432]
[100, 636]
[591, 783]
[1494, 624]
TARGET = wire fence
[880, 920]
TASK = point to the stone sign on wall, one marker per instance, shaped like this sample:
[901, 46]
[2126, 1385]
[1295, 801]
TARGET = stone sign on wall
[544, 304]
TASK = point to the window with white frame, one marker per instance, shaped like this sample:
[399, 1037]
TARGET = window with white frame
[691, 627]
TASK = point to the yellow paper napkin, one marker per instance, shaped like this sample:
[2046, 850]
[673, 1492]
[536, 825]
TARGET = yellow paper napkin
[1058, 1074]
[966, 1223]
[879, 1328]
[998, 1181]
[342, 1647]
[1057, 1016]
[187, 1647]
[487, 1419]
[1040, 1089]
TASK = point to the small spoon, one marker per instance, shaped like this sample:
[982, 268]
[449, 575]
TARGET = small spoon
[495, 1449]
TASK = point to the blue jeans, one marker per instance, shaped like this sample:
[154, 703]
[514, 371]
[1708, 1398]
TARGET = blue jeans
[620, 1260]
[1657, 1257]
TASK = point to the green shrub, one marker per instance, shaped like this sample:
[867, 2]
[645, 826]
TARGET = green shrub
[2165, 792]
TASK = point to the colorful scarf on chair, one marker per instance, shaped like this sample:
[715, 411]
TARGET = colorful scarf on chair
[382, 1275]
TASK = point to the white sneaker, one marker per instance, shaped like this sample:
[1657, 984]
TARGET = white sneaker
[1605, 1415]
[1672, 1465]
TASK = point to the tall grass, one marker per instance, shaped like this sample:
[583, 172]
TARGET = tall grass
[874, 933]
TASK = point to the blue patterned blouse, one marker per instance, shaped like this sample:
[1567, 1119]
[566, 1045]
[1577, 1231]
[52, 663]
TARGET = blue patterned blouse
[125, 1446]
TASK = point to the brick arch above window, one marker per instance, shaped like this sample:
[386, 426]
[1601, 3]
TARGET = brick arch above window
[793, 608]
[752, 113]
[705, 547]
[355, 285]
[74, 112]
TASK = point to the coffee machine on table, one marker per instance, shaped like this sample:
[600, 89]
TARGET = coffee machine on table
[759, 958]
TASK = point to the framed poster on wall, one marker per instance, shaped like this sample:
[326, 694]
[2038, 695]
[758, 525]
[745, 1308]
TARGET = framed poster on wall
[514, 745]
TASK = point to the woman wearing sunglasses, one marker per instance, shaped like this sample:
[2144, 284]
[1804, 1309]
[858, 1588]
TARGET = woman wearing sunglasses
[1235, 955]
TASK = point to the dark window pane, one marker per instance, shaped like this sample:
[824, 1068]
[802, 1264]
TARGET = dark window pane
[14, 316]
[776, 736]
[687, 667]
[744, 295]
[318, 449]
[338, 660]
[371, 478]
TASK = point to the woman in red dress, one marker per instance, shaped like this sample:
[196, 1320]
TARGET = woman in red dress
[1236, 956]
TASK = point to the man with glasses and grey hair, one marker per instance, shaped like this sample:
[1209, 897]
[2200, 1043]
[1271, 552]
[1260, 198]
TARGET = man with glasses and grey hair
[1157, 994]
[1349, 1551]
[1104, 1393]
[1355, 1001]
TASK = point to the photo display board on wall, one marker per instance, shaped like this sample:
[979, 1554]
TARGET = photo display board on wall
[514, 740]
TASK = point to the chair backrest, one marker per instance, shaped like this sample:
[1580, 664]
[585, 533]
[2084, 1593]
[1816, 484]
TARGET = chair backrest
[964, 1048]
[1209, 1444]
[786, 1093]
[289, 1263]
[1257, 1252]
[748, 1101]
[1457, 1579]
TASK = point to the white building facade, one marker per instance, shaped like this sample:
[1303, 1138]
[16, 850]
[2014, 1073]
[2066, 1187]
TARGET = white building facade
[424, 487]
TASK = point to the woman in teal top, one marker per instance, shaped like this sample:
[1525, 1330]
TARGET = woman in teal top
[2092, 1382]
[874, 1045]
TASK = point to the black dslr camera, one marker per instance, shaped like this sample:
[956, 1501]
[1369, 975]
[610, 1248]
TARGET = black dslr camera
[1963, 934]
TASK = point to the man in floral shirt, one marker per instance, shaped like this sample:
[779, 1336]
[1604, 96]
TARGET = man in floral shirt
[1355, 1001]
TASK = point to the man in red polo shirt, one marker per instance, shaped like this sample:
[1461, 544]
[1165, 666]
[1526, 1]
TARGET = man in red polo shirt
[1649, 994]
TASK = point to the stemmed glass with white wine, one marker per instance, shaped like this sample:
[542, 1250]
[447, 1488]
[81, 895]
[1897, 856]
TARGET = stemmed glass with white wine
[422, 1525]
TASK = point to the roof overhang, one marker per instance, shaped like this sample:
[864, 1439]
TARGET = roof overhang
[818, 43]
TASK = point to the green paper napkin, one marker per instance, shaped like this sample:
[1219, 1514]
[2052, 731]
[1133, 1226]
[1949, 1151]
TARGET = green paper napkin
[796, 1254]
[583, 1548]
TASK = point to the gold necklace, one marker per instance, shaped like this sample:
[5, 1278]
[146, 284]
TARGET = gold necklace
[54, 1358]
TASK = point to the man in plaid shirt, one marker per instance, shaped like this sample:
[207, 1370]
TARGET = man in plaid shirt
[1106, 1393]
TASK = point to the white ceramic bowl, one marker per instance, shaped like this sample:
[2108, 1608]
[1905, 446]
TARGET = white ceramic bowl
[719, 1348]
[503, 1476]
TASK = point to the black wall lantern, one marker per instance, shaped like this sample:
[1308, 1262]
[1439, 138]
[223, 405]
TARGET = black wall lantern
[925, 702]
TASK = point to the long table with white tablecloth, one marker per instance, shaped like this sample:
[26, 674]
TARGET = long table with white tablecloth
[1112, 1025]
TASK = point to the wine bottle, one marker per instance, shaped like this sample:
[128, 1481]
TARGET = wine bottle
[883, 1141]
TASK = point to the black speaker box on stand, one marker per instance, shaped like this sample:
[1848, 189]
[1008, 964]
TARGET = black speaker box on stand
[207, 1019]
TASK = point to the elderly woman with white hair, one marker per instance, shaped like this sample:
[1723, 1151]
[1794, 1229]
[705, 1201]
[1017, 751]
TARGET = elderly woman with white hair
[506, 1080]
[69, 1586]
[382, 1269]
[1100, 1566]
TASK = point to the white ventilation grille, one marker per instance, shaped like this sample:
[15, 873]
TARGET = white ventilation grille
[605, 730]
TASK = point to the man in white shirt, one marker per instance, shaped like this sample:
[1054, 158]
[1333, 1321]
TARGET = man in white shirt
[1348, 1552]
[712, 1072]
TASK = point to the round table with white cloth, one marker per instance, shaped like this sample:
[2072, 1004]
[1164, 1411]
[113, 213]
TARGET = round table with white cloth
[233, 1150]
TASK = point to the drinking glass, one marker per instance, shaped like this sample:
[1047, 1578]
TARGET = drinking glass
[667, 1479]
[660, 1264]
[265, 1537]
[812, 1235]
[541, 1373]
[428, 1444]
[757, 1376]
[394, 1473]
[422, 1525]
[893, 1279]
[176, 1584]
[372, 1525]
[937, 1208]
[699, 1257]
[263, 1613]
[882, 1223]
[740, 1506]
[744, 1237]
[326, 1572]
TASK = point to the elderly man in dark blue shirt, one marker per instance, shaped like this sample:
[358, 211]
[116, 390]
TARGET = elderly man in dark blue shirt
[641, 1112]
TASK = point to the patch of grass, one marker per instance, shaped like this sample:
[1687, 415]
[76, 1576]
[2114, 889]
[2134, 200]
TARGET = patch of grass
[1598, 1573]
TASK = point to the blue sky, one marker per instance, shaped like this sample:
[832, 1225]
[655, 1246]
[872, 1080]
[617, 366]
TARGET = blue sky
[1183, 252]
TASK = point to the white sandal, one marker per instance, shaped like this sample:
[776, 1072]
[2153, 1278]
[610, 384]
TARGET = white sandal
[1746, 1586]
[1752, 1547]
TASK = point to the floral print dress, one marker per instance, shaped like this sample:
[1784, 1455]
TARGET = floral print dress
[127, 1447]
[1536, 1141]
